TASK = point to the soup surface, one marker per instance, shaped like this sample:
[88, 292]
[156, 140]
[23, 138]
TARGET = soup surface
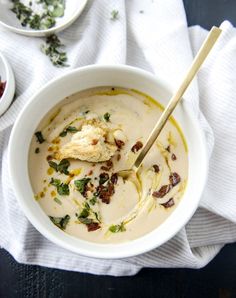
[88, 199]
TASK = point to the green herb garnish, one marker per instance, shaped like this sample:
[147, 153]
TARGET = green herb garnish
[62, 188]
[93, 201]
[107, 116]
[57, 201]
[62, 167]
[60, 222]
[52, 49]
[39, 137]
[80, 184]
[84, 213]
[114, 15]
[85, 221]
[71, 129]
[117, 228]
[45, 20]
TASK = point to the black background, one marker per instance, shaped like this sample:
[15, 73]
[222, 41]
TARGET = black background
[218, 279]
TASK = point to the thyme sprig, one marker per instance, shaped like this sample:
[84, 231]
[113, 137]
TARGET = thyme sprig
[52, 48]
[39, 21]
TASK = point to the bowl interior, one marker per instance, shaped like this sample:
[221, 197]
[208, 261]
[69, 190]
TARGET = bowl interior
[81, 79]
[9, 19]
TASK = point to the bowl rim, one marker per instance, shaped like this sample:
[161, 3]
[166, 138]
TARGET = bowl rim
[46, 32]
[9, 91]
[54, 237]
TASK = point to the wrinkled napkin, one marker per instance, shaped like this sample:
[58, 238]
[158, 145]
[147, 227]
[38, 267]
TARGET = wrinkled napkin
[152, 35]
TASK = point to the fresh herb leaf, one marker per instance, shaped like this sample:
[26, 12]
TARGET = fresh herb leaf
[42, 21]
[55, 182]
[80, 184]
[84, 213]
[114, 15]
[62, 167]
[62, 188]
[60, 222]
[117, 228]
[71, 129]
[97, 217]
[63, 133]
[107, 116]
[85, 221]
[93, 201]
[39, 137]
[52, 49]
[57, 201]
[53, 165]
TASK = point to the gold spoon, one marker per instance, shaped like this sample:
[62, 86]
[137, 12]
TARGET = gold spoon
[192, 71]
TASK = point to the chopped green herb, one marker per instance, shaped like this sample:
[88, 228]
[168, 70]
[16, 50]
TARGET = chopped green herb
[93, 201]
[37, 150]
[52, 49]
[71, 129]
[57, 201]
[107, 116]
[114, 15]
[39, 137]
[63, 133]
[97, 217]
[55, 182]
[80, 184]
[62, 188]
[60, 222]
[84, 213]
[62, 167]
[85, 221]
[53, 165]
[42, 21]
[117, 228]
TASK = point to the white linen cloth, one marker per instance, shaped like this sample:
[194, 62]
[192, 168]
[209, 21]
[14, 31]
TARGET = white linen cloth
[152, 35]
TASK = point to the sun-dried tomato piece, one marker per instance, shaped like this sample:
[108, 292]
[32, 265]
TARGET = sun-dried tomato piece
[105, 192]
[93, 226]
[169, 203]
[174, 178]
[162, 191]
[156, 168]
[137, 146]
[114, 178]
[109, 165]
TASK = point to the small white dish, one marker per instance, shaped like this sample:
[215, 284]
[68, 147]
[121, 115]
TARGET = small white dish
[85, 78]
[7, 76]
[9, 20]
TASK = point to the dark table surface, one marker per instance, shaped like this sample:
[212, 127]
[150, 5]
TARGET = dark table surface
[218, 279]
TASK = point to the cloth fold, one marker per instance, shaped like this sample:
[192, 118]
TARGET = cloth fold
[152, 35]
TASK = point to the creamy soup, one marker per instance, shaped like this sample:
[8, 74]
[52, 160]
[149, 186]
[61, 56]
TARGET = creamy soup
[88, 199]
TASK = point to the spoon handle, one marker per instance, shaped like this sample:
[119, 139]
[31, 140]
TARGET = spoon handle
[196, 64]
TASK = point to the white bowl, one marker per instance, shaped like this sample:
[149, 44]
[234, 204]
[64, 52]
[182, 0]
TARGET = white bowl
[84, 78]
[9, 20]
[7, 76]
